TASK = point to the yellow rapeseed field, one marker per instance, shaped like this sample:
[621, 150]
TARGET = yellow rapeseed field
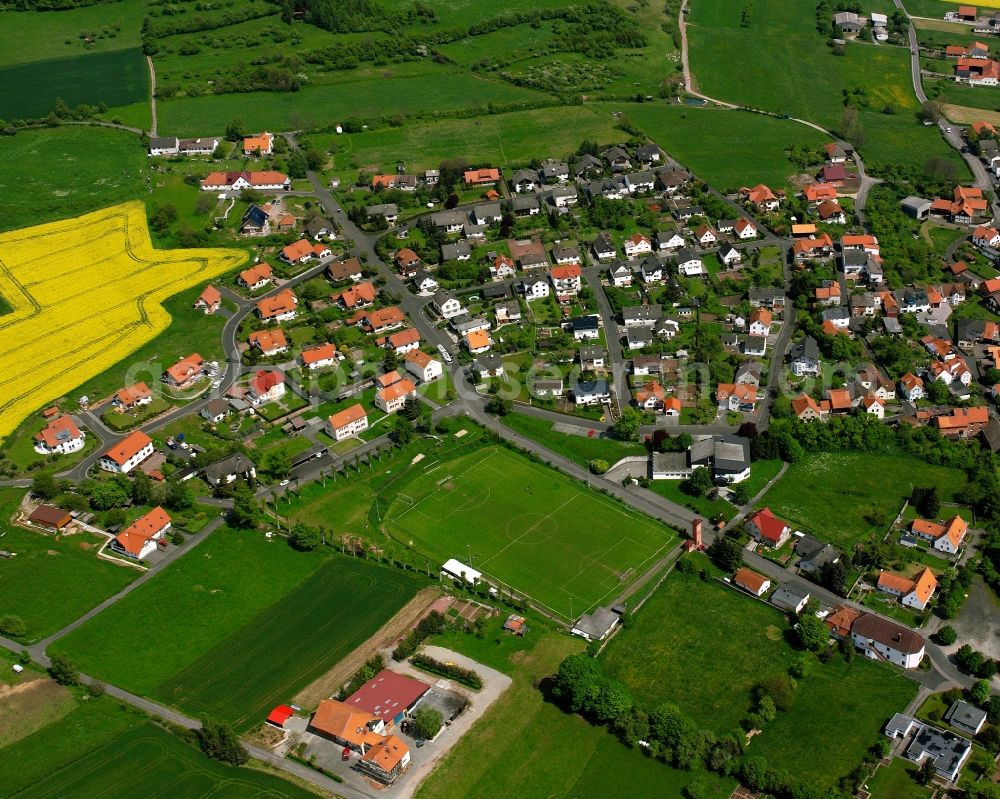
[85, 293]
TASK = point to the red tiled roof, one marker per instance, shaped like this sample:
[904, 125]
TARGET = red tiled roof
[321, 352]
[387, 694]
[770, 526]
[347, 416]
[750, 580]
[134, 537]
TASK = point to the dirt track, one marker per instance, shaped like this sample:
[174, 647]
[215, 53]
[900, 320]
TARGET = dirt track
[388, 634]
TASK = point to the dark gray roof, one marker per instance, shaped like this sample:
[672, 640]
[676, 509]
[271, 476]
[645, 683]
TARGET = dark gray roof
[383, 209]
[731, 453]
[525, 175]
[598, 624]
[317, 225]
[598, 387]
[591, 353]
[789, 598]
[962, 714]
[163, 142]
[237, 463]
[807, 348]
[255, 216]
[451, 252]
[495, 290]
[584, 322]
[524, 203]
[765, 293]
[648, 313]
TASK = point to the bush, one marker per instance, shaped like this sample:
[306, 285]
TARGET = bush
[218, 741]
[430, 624]
[946, 636]
[598, 466]
[457, 673]
[12, 626]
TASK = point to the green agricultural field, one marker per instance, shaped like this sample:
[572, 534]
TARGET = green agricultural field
[147, 759]
[170, 622]
[726, 148]
[291, 643]
[30, 91]
[251, 622]
[67, 577]
[785, 66]
[526, 746]
[808, 491]
[526, 525]
[738, 641]
[501, 139]
[54, 173]
[402, 89]
[985, 97]
[94, 723]
[38, 36]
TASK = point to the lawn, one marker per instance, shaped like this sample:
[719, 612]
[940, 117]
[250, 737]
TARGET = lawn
[53, 173]
[786, 66]
[341, 505]
[854, 702]
[738, 641]
[898, 780]
[711, 508]
[746, 645]
[526, 525]
[745, 147]
[30, 91]
[525, 746]
[66, 576]
[291, 643]
[581, 449]
[809, 489]
[147, 759]
[761, 472]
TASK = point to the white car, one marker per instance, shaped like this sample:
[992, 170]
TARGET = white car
[284, 482]
[444, 353]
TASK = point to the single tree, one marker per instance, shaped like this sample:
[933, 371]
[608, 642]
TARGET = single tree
[44, 485]
[427, 722]
[63, 669]
[812, 632]
[627, 426]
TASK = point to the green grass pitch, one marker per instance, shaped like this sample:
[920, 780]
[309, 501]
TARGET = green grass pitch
[563, 545]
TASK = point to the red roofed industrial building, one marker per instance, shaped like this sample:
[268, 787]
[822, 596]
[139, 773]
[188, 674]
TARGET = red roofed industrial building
[280, 715]
[388, 695]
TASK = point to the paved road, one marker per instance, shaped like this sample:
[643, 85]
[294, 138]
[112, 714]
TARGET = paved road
[612, 335]
[152, 96]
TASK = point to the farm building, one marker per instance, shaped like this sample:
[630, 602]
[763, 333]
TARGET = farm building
[49, 517]
[388, 696]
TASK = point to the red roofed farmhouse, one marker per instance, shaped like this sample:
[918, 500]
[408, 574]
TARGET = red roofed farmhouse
[388, 696]
[944, 537]
[768, 528]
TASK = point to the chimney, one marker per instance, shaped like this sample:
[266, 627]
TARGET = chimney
[696, 533]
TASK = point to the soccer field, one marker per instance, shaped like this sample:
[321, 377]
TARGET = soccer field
[566, 547]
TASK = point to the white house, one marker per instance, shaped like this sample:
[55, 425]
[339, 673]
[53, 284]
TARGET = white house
[880, 638]
[689, 264]
[60, 436]
[535, 289]
[138, 540]
[447, 305]
[637, 245]
[348, 422]
[621, 276]
[423, 366]
[745, 229]
[729, 255]
[592, 392]
[392, 398]
[128, 453]
[319, 357]
[265, 387]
